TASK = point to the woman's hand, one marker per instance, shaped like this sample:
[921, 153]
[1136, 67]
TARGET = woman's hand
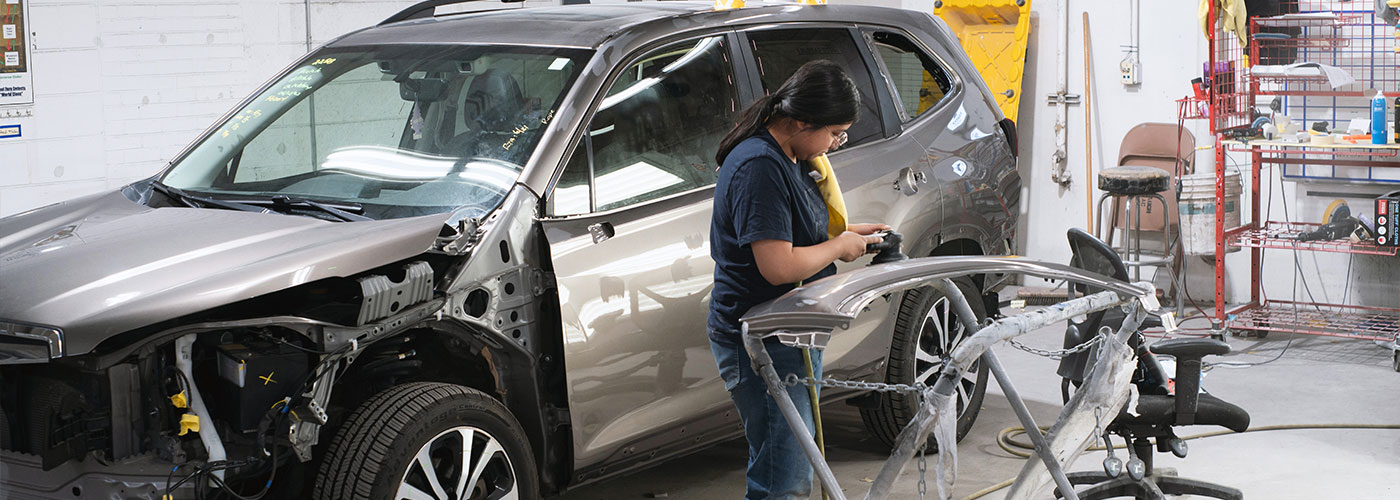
[779, 262]
[852, 245]
[867, 229]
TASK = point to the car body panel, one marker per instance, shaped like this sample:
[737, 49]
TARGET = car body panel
[626, 365]
[826, 305]
[635, 347]
[102, 265]
[569, 26]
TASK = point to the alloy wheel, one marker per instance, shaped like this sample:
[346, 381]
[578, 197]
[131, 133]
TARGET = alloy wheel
[939, 334]
[461, 463]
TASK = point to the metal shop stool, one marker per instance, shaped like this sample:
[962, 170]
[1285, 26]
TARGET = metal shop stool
[1129, 183]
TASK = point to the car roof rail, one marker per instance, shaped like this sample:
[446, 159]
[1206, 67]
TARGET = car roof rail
[427, 8]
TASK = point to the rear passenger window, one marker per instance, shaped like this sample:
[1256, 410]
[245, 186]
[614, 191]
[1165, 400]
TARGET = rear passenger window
[656, 132]
[919, 82]
[780, 52]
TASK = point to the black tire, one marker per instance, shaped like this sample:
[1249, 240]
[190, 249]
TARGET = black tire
[374, 455]
[917, 331]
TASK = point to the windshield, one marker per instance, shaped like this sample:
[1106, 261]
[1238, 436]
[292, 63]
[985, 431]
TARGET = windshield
[397, 131]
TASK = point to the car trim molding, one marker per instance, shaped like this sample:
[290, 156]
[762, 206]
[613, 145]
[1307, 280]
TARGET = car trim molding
[833, 302]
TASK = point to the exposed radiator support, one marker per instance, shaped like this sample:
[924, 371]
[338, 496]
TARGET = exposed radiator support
[207, 433]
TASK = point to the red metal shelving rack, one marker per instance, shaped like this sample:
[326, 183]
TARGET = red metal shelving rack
[1333, 32]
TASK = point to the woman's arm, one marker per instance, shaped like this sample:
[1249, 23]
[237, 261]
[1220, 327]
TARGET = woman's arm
[781, 263]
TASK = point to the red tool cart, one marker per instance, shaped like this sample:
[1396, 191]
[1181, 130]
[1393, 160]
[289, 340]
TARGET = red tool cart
[1346, 39]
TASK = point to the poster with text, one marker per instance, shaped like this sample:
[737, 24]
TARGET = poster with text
[16, 83]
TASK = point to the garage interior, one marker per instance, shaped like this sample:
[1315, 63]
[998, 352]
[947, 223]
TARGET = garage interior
[1269, 128]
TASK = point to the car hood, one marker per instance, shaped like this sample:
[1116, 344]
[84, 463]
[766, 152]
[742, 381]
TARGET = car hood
[102, 265]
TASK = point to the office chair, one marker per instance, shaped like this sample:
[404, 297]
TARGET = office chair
[1159, 408]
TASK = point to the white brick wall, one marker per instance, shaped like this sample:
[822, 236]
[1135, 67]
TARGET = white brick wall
[121, 86]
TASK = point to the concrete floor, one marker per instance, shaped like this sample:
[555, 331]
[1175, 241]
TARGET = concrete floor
[1317, 380]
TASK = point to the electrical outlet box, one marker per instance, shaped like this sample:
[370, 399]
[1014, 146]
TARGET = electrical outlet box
[1129, 72]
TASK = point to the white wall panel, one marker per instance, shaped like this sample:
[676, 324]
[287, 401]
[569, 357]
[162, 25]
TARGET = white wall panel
[122, 86]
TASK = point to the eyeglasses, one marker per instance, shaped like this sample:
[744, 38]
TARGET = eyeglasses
[840, 140]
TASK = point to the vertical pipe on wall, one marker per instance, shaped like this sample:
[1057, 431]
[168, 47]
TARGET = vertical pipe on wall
[311, 99]
[1088, 132]
[1060, 159]
[306, 14]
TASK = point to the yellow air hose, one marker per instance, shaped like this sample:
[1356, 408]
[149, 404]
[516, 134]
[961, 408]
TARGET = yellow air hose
[1014, 447]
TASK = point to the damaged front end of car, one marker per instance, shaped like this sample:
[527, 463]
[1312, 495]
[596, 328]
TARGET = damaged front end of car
[214, 362]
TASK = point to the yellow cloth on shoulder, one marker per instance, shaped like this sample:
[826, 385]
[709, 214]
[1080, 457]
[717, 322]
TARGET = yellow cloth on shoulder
[831, 193]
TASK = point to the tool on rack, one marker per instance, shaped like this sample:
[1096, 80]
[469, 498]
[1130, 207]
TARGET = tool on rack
[1338, 223]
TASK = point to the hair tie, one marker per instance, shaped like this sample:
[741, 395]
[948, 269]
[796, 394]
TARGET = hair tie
[779, 103]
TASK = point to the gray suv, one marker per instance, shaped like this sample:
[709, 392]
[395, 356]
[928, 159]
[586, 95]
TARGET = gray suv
[466, 256]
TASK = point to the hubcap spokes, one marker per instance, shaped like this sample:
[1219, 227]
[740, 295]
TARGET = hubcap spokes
[939, 333]
[462, 463]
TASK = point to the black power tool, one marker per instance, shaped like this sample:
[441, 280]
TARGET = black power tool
[889, 248]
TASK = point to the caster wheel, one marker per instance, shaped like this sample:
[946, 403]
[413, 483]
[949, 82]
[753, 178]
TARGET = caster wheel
[1178, 446]
[1136, 469]
[1113, 466]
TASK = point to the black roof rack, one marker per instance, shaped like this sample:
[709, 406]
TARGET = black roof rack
[427, 7]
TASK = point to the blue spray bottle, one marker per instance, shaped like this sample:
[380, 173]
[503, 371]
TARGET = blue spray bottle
[1378, 135]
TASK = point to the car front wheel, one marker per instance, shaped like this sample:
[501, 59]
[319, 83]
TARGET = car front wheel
[925, 334]
[429, 441]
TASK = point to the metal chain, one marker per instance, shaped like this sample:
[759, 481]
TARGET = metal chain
[792, 379]
[923, 468]
[917, 388]
[1098, 426]
[1059, 353]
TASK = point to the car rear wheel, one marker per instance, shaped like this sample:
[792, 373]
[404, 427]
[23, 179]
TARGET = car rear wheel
[925, 334]
[424, 441]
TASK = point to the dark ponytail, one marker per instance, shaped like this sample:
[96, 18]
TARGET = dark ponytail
[818, 94]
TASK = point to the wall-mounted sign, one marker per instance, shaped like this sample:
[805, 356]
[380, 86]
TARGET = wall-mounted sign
[8, 131]
[16, 82]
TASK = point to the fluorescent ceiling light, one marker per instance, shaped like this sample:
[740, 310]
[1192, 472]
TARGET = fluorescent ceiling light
[627, 93]
[632, 181]
[392, 163]
[695, 52]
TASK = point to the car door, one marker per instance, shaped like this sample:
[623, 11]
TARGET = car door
[628, 228]
[953, 123]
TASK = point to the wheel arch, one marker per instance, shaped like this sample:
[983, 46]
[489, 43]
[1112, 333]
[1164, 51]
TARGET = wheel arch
[961, 246]
[449, 352]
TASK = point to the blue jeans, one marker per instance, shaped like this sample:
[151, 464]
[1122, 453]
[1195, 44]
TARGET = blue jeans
[778, 469]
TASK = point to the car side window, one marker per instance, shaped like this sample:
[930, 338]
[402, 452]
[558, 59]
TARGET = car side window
[919, 81]
[656, 131]
[571, 194]
[779, 52]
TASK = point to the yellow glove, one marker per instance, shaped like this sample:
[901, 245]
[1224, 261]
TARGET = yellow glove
[1234, 18]
[831, 193]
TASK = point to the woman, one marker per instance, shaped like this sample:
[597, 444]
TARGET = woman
[769, 232]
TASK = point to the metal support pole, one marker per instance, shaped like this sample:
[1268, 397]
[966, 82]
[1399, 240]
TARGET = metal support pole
[1220, 213]
[763, 364]
[969, 321]
[938, 403]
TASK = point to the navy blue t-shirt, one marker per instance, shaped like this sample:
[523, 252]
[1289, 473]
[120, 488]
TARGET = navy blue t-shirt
[761, 195]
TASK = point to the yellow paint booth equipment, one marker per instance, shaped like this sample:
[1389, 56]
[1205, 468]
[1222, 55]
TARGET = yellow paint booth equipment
[994, 35]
